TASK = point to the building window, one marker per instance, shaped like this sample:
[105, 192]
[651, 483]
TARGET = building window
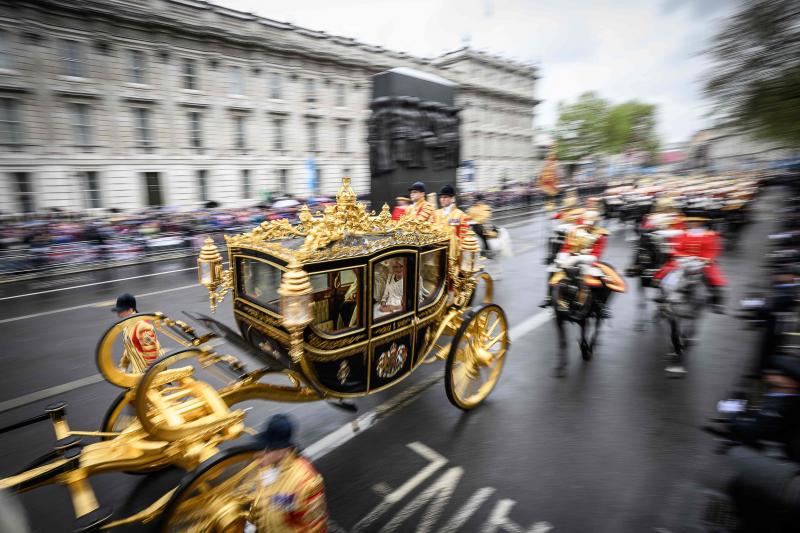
[136, 73]
[202, 184]
[283, 180]
[190, 80]
[81, 124]
[239, 132]
[247, 189]
[5, 51]
[195, 130]
[236, 81]
[276, 86]
[91, 189]
[72, 58]
[340, 95]
[277, 134]
[311, 90]
[144, 135]
[10, 132]
[152, 185]
[313, 144]
[342, 138]
[24, 189]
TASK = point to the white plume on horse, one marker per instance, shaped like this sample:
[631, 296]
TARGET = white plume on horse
[502, 243]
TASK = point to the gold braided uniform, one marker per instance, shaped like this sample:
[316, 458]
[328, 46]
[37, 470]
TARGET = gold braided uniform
[421, 210]
[140, 346]
[480, 213]
[293, 500]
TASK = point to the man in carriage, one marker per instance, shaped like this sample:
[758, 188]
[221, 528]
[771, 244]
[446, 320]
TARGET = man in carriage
[703, 243]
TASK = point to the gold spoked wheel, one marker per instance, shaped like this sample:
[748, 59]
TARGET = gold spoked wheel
[217, 496]
[476, 356]
[120, 414]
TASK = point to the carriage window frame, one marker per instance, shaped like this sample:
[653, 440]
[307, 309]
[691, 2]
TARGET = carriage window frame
[412, 258]
[433, 299]
[361, 271]
[239, 284]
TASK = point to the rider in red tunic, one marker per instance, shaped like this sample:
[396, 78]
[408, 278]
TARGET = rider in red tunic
[703, 243]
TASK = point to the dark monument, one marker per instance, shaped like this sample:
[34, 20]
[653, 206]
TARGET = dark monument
[413, 134]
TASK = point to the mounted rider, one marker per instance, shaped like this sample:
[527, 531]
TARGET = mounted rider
[703, 243]
[421, 209]
[481, 214]
[583, 246]
[660, 227]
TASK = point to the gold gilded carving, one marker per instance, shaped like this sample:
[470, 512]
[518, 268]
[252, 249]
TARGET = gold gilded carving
[324, 236]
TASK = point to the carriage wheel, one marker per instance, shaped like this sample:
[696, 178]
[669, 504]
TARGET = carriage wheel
[476, 357]
[119, 415]
[217, 496]
[483, 293]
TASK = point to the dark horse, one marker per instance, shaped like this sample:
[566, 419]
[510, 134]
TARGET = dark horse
[650, 254]
[575, 301]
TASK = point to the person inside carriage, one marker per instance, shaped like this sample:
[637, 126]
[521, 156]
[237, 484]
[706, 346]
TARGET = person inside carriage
[583, 247]
[662, 226]
[703, 243]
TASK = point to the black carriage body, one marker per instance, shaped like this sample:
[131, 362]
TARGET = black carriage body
[348, 349]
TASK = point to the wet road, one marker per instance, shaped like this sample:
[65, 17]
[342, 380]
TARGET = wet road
[613, 446]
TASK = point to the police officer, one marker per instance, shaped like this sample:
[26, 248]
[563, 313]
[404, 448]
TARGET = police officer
[290, 496]
[140, 344]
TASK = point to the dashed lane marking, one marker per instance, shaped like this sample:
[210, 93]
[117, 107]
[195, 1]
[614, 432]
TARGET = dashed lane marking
[46, 393]
[96, 283]
[94, 304]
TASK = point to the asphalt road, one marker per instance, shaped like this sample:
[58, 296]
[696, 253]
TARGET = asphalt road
[612, 447]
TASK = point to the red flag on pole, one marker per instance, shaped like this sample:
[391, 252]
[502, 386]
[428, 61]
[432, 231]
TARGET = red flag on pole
[548, 179]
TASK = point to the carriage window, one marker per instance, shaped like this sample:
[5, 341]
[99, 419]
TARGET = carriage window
[431, 274]
[259, 282]
[389, 287]
[336, 300]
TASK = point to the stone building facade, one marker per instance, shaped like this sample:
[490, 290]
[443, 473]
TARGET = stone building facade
[130, 103]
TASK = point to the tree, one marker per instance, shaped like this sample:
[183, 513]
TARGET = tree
[581, 127]
[592, 126]
[755, 81]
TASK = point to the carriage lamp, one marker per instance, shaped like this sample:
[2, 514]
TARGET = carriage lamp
[209, 265]
[469, 253]
[210, 273]
[295, 294]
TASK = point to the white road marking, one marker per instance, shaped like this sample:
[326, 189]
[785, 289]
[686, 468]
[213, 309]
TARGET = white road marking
[95, 304]
[536, 321]
[96, 283]
[46, 393]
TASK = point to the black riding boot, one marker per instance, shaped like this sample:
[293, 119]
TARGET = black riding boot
[717, 302]
[602, 296]
[548, 301]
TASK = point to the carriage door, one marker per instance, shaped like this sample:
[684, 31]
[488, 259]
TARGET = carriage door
[394, 288]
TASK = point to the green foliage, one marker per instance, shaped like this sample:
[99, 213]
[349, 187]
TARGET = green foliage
[592, 126]
[755, 81]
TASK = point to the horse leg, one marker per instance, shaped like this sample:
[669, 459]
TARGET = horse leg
[560, 370]
[675, 367]
[641, 305]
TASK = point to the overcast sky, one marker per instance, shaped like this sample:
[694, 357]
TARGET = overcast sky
[649, 50]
